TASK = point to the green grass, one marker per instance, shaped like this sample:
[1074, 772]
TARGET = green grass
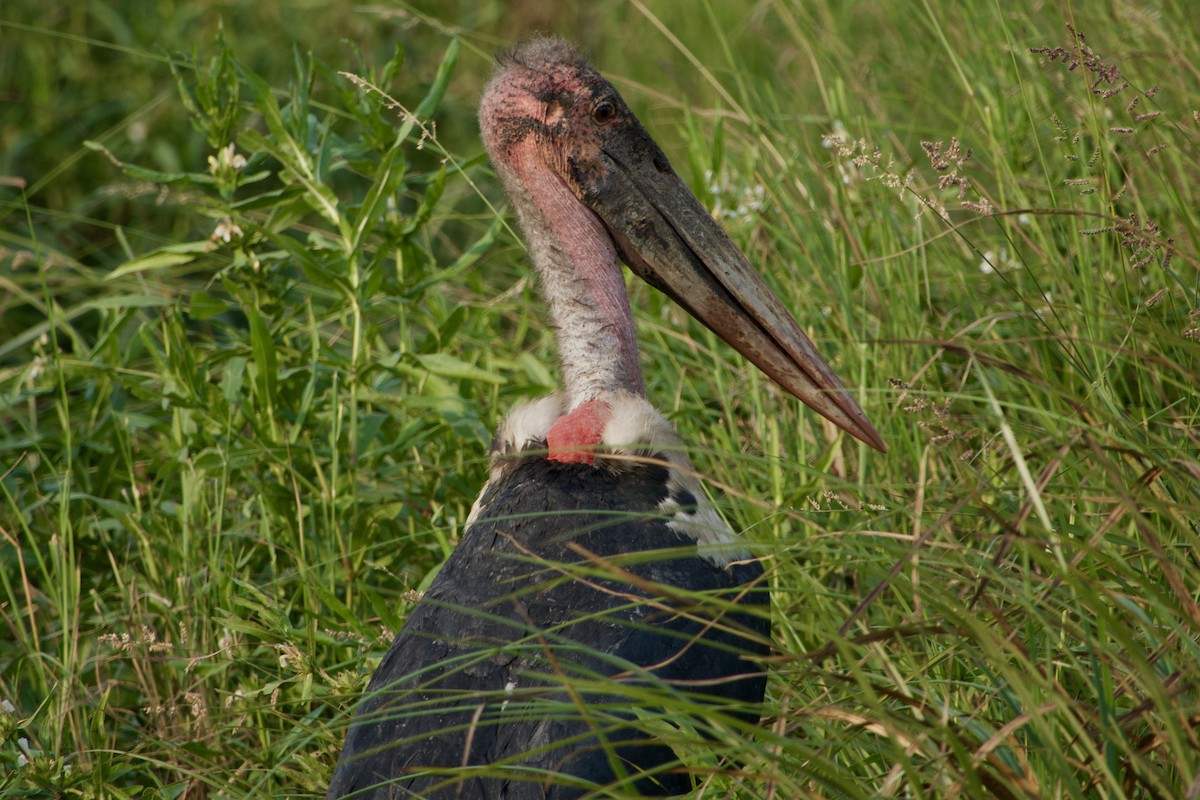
[223, 464]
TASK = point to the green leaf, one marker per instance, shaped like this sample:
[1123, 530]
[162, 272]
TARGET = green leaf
[163, 258]
[440, 81]
[297, 163]
[392, 67]
[203, 305]
[127, 301]
[433, 193]
[448, 366]
[244, 626]
[389, 174]
[263, 347]
[463, 262]
[151, 175]
[232, 378]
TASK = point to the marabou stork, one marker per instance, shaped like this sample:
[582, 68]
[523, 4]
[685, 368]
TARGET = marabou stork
[592, 570]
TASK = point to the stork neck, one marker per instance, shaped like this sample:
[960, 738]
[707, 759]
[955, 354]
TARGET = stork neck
[582, 282]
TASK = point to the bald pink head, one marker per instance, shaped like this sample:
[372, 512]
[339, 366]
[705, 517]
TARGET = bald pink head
[543, 116]
[591, 188]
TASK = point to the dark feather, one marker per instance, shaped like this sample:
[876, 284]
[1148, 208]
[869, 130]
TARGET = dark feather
[515, 675]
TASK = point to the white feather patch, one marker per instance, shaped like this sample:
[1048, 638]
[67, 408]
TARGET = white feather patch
[526, 427]
[637, 429]
[634, 431]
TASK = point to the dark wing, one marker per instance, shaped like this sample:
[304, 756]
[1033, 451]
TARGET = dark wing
[516, 674]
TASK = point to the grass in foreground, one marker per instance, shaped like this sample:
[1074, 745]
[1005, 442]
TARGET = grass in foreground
[245, 400]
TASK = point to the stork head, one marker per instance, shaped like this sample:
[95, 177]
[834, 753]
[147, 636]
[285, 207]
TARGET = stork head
[580, 167]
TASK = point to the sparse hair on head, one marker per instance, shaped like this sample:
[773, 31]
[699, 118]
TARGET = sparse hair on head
[539, 52]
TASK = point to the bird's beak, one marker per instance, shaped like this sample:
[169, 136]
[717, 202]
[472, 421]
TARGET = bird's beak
[667, 238]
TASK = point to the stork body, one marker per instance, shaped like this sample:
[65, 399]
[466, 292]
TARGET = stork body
[594, 581]
[532, 602]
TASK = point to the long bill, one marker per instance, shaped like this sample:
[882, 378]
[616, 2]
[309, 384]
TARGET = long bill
[669, 240]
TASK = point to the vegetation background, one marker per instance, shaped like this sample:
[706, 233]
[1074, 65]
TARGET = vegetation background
[260, 308]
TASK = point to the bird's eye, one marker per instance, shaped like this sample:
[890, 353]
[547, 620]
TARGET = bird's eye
[604, 112]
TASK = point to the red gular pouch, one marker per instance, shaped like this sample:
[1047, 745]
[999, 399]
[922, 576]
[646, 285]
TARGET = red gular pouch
[573, 437]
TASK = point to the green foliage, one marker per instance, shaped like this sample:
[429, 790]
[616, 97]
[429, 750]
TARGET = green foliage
[238, 433]
[257, 320]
